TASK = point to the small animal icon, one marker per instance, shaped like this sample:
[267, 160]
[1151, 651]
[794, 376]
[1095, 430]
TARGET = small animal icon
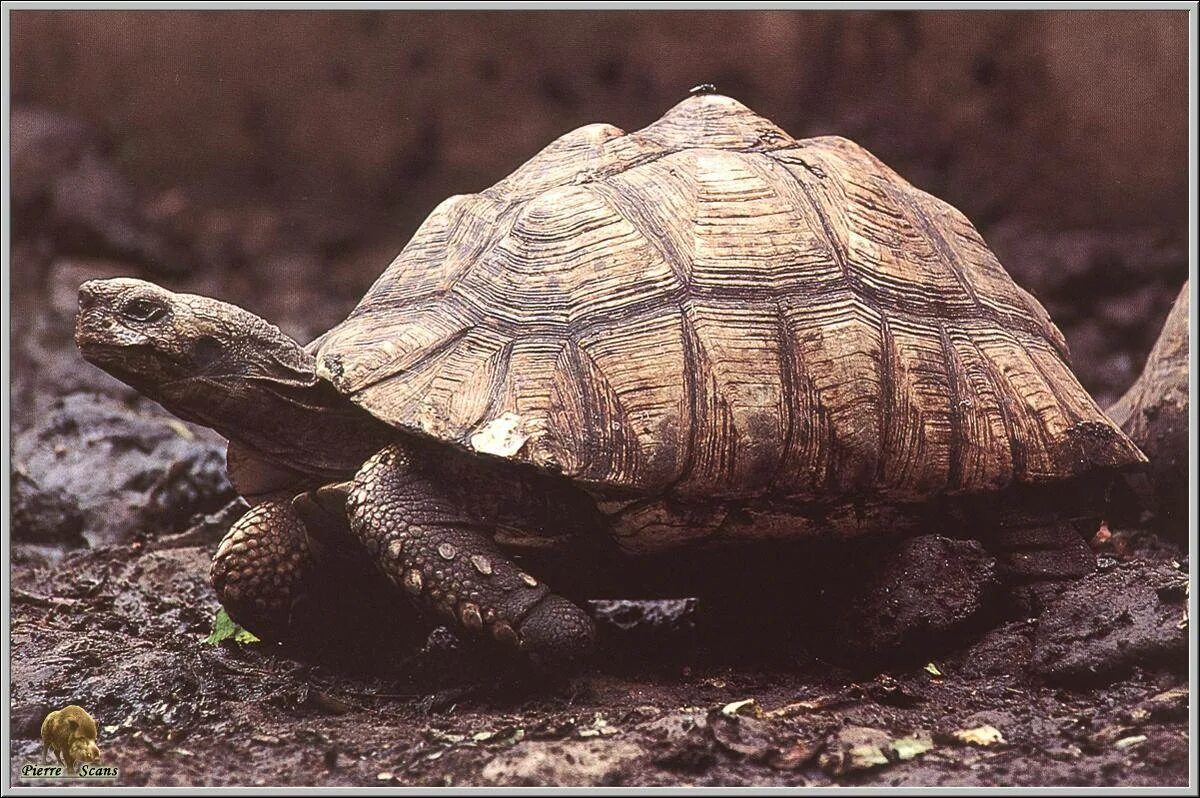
[70, 733]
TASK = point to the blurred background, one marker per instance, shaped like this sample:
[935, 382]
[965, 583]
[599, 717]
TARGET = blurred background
[281, 159]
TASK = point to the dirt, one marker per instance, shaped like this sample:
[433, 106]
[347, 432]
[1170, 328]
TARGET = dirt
[122, 630]
[1121, 618]
[252, 195]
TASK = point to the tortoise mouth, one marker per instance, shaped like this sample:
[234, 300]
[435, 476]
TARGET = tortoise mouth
[105, 353]
[138, 365]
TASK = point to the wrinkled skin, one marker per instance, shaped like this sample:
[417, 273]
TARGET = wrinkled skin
[221, 366]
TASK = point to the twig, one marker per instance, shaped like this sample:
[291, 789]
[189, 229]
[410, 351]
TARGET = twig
[25, 597]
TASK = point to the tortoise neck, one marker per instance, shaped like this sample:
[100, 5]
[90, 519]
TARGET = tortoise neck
[270, 401]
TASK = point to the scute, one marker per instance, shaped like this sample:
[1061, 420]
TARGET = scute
[710, 307]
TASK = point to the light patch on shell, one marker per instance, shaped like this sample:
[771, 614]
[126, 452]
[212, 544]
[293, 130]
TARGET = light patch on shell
[502, 436]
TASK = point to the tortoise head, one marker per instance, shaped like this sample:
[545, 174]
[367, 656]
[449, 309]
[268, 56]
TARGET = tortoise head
[181, 350]
[218, 365]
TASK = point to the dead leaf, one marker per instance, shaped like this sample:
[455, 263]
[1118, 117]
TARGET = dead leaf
[981, 736]
[1130, 742]
[747, 706]
[906, 748]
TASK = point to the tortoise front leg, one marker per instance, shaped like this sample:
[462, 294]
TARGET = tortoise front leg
[261, 566]
[446, 560]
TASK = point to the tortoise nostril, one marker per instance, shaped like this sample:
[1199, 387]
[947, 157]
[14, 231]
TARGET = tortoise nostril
[87, 295]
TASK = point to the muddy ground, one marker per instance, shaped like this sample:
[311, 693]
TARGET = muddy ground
[117, 507]
[121, 630]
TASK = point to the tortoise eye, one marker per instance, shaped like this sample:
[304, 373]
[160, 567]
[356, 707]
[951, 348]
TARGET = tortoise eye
[142, 309]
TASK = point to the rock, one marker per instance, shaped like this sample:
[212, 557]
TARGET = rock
[157, 472]
[681, 741]
[857, 748]
[1002, 651]
[743, 735]
[535, 763]
[927, 590]
[1108, 623]
[1154, 413]
[26, 720]
[44, 515]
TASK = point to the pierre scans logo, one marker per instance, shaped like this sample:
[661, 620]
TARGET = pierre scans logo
[70, 734]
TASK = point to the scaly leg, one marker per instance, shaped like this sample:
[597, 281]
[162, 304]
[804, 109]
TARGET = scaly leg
[444, 557]
[260, 568]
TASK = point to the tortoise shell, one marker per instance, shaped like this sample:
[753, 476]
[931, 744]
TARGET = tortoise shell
[710, 307]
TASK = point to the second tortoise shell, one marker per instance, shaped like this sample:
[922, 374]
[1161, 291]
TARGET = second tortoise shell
[709, 307]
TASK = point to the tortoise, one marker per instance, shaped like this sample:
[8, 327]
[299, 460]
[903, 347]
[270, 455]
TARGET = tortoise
[701, 334]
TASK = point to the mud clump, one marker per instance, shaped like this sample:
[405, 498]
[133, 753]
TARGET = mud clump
[48, 516]
[1105, 625]
[920, 597]
[1003, 650]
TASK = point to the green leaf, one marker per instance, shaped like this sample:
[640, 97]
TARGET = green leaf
[224, 628]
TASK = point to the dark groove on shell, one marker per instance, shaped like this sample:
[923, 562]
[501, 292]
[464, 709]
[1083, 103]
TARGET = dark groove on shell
[954, 479]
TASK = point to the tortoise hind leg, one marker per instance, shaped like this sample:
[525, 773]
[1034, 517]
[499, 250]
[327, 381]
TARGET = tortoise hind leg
[1039, 560]
[261, 566]
[442, 555]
